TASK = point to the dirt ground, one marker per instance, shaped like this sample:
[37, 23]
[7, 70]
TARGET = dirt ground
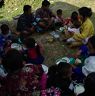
[53, 50]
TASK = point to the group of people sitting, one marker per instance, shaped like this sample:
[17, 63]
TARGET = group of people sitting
[21, 56]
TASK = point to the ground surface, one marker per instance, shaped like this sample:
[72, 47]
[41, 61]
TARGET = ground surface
[55, 49]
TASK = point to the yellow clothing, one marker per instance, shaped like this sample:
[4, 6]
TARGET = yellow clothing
[86, 30]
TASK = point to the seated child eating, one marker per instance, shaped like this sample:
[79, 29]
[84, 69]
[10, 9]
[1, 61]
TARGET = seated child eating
[33, 51]
[75, 25]
[59, 20]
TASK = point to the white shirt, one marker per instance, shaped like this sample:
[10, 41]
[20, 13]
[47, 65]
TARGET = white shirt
[89, 65]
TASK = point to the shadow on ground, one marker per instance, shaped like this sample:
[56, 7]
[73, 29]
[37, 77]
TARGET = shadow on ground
[56, 49]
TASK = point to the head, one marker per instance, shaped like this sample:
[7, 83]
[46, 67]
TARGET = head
[27, 9]
[52, 72]
[91, 44]
[4, 29]
[59, 12]
[74, 16]
[12, 61]
[90, 84]
[64, 70]
[45, 4]
[58, 74]
[29, 42]
[84, 13]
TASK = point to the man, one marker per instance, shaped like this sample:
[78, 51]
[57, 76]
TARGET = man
[25, 21]
[45, 15]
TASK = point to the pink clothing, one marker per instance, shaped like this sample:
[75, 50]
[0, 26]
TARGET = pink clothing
[51, 92]
[43, 82]
[23, 82]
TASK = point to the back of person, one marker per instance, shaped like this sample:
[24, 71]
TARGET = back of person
[25, 20]
[22, 80]
[57, 82]
[35, 56]
[33, 52]
[89, 85]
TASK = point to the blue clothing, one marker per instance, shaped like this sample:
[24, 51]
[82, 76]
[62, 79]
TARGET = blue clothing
[78, 75]
[84, 50]
[36, 24]
[3, 40]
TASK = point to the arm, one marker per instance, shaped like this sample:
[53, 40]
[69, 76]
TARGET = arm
[42, 49]
[86, 30]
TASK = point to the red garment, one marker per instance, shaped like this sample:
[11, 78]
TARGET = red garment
[32, 53]
[23, 82]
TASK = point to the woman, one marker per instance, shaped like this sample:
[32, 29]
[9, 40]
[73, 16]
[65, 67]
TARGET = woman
[86, 29]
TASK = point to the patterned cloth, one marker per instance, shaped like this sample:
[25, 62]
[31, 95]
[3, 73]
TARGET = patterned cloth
[51, 92]
[24, 82]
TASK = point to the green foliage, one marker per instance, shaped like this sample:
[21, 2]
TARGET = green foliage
[14, 7]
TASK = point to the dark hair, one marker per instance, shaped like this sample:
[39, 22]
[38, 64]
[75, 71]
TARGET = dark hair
[29, 42]
[74, 16]
[12, 61]
[63, 69]
[45, 3]
[92, 41]
[4, 29]
[59, 11]
[52, 72]
[85, 12]
[90, 84]
[58, 76]
[26, 8]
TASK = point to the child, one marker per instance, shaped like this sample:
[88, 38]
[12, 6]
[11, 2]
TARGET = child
[24, 24]
[89, 63]
[89, 85]
[44, 17]
[59, 20]
[74, 26]
[22, 80]
[59, 79]
[74, 17]
[86, 29]
[34, 51]
[81, 53]
[5, 37]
